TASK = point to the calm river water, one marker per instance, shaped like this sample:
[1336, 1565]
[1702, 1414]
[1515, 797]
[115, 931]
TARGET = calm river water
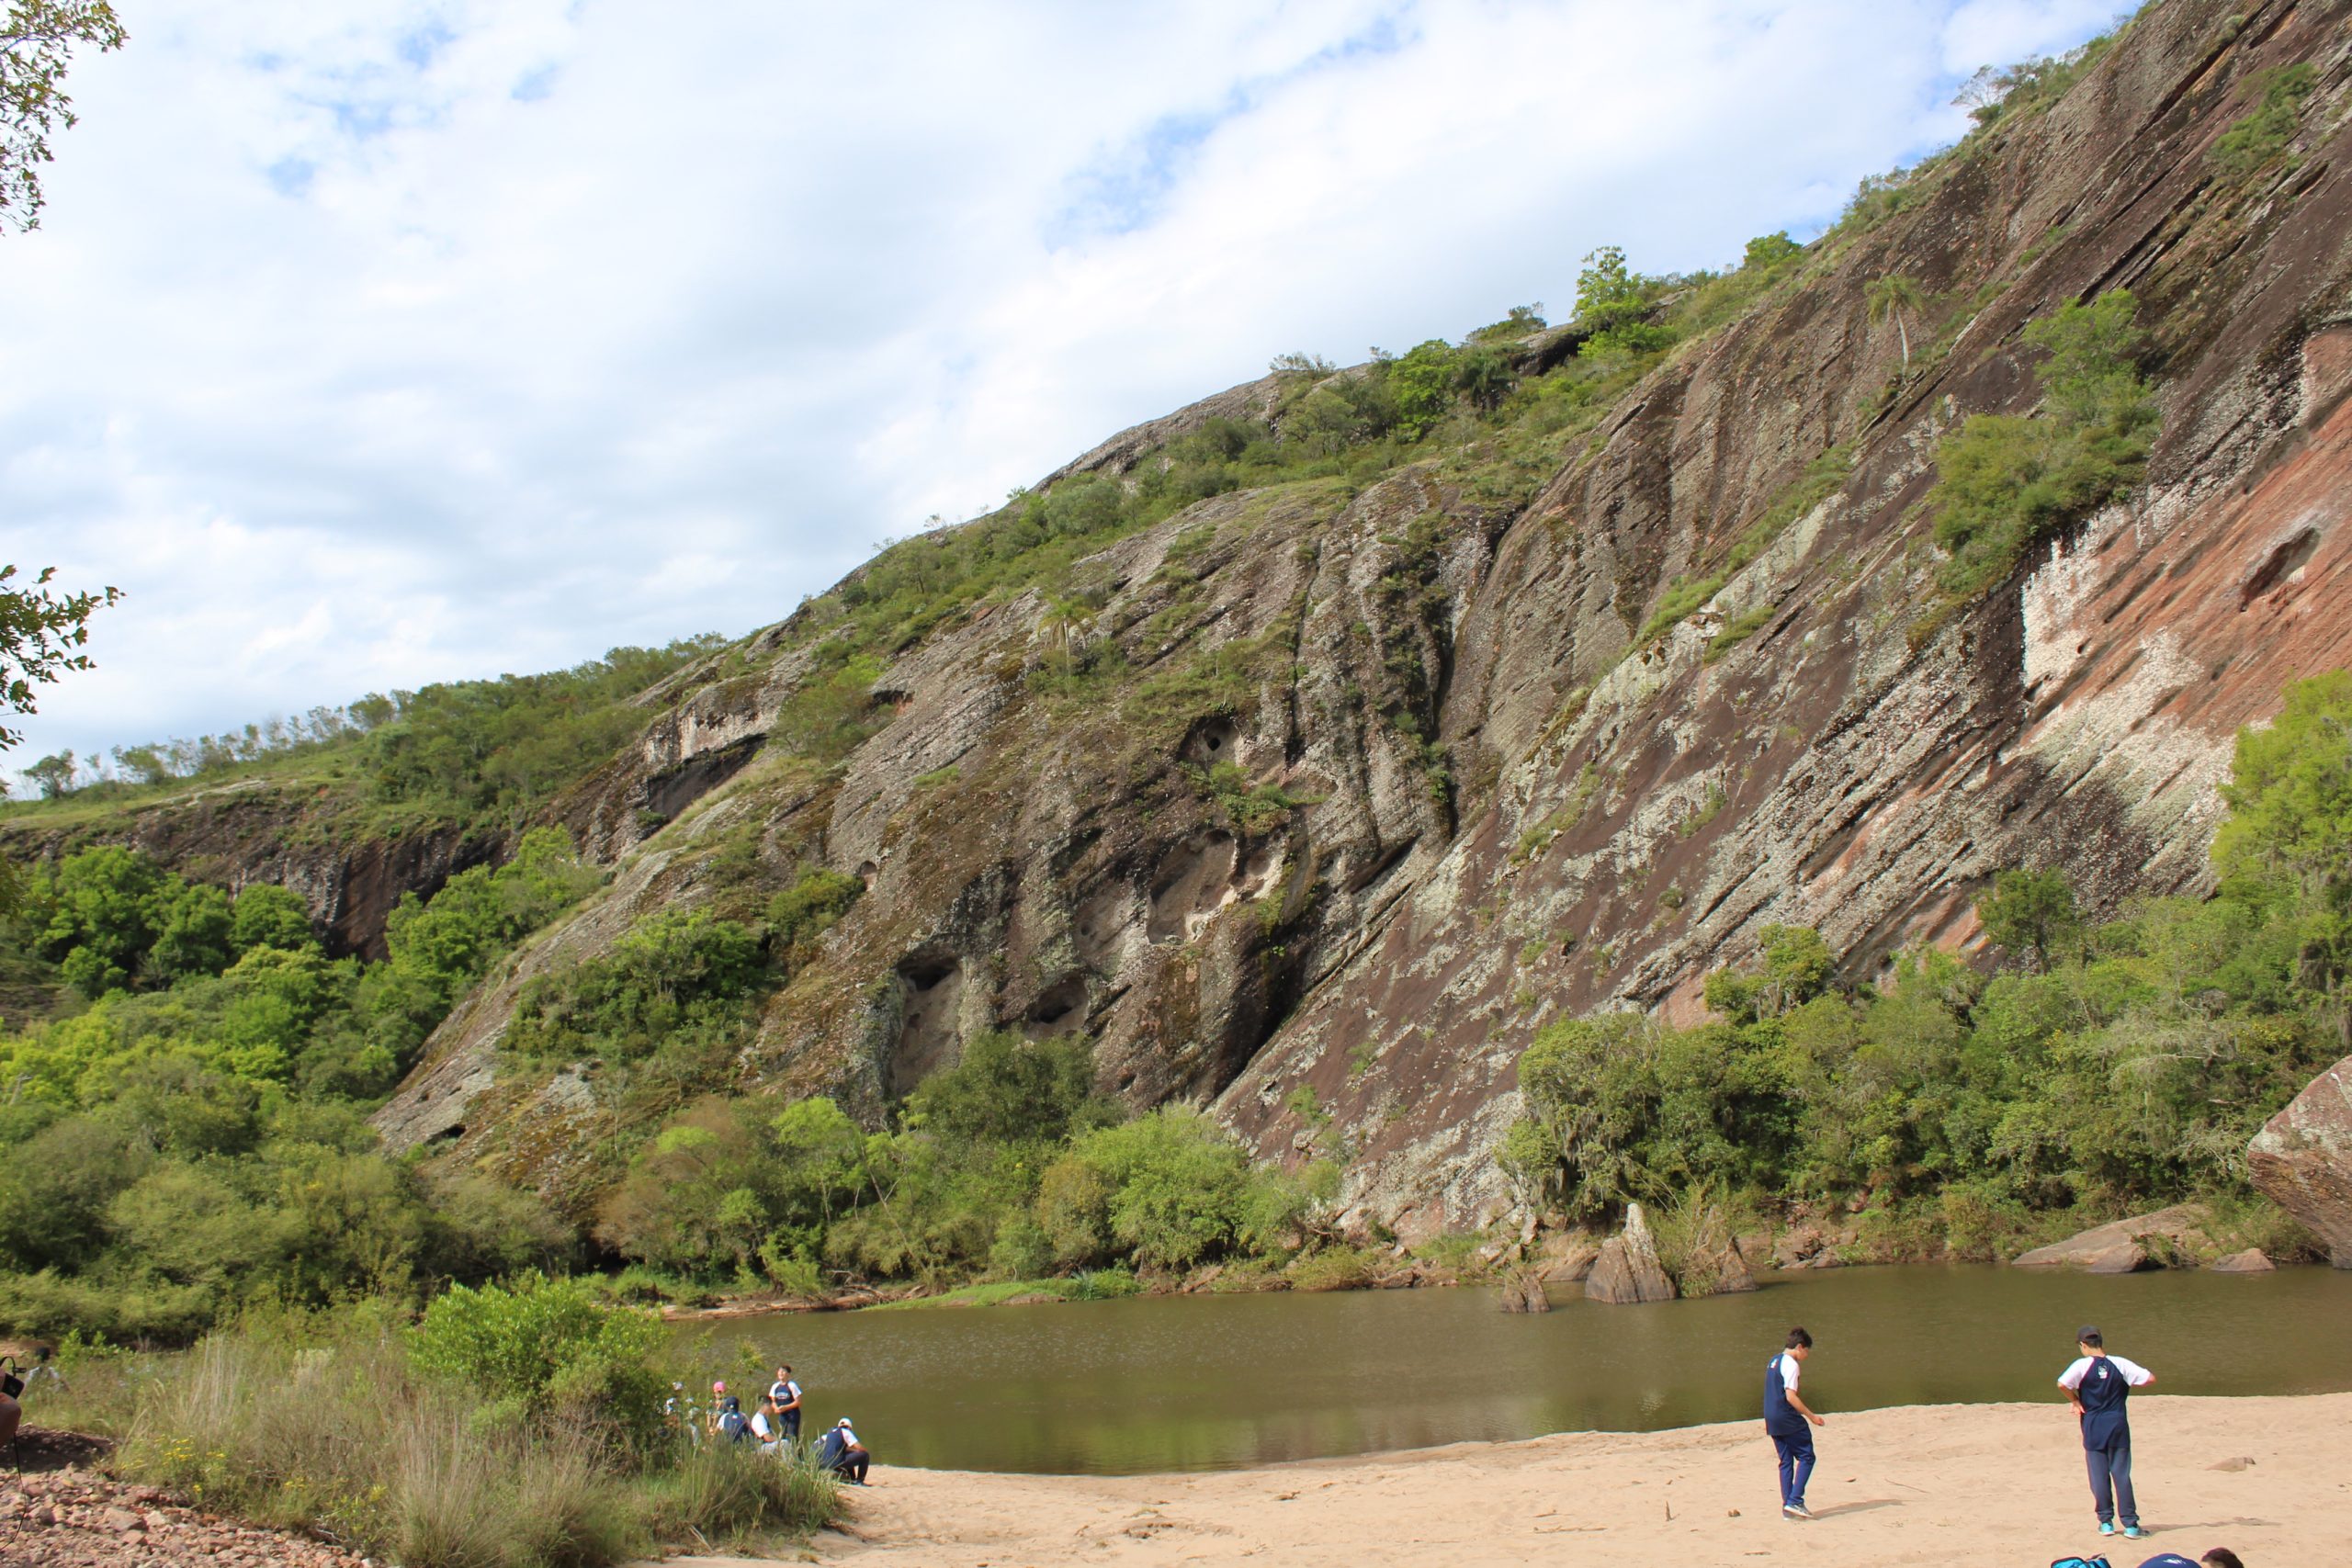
[1207, 1383]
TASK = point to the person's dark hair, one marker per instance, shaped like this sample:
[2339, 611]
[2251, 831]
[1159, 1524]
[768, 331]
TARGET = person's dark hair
[2089, 1336]
[1800, 1340]
[2221, 1557]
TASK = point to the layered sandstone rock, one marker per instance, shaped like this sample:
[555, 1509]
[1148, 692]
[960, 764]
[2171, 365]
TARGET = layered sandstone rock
[2302, 1160]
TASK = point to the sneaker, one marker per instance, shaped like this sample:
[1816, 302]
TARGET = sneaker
[2133, 1532]
[2106, 1526]
[1795, 1511]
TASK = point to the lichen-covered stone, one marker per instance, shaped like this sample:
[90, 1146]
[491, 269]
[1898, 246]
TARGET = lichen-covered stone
[2302, 1160]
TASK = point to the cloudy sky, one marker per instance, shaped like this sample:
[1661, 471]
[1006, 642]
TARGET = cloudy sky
[377, 342]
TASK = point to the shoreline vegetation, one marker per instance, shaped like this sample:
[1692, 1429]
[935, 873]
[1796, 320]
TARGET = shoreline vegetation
[519, 1426]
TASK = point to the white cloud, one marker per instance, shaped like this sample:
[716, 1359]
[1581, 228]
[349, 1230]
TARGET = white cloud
[404, 340]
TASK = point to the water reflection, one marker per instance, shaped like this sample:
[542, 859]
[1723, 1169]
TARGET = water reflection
[1203, 1383]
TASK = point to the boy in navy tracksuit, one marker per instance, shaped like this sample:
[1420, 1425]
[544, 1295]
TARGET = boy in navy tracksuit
[1786, 1417]
[2097, 1385]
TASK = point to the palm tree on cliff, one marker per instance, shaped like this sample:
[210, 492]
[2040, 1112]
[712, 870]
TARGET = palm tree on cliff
[1065, 623]
[1897, 297]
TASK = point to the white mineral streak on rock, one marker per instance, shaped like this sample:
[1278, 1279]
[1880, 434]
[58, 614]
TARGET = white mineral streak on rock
[2117, 735]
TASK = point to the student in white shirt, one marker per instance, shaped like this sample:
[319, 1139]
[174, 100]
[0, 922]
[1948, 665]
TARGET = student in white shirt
[784, 1395]
[2097, 1385]
[1786, 1420]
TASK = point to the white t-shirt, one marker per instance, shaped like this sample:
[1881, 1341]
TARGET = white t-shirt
[2134, 1372]
[760, 1425]
[784, 1392]
[1788, 1365]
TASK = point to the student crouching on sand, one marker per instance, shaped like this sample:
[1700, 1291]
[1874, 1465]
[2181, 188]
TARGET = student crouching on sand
[2220, 1557]
[2097, 1385]
[843, 1454]
[1786, 1417]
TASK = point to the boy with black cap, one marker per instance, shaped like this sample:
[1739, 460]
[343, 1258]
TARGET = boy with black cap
[2097, 1385]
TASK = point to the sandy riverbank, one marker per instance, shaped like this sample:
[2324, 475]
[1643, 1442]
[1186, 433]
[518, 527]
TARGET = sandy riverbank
[1941, 1484]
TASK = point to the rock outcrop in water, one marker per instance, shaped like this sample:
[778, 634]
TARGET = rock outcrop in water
[1628, 1270]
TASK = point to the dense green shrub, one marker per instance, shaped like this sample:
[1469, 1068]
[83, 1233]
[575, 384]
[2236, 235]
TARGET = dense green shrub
[546, 1349]
[2262, 135]
[2004, 482]
[808, 909]
[675, 972]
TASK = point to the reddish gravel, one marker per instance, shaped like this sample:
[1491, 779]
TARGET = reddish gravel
[74, 1518]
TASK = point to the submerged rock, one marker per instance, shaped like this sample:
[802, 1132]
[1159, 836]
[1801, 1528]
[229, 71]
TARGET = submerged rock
[1628, 1269]
[1524, 1291]
[2302, 1160]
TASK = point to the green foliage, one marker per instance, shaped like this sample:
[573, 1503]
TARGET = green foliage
[808, 909]
[1898, 299]
[1423, 384]
[2258, 140]
[1999, 94]
[1006, 1162]
[535, 1345]
[193, 1140]
[1739, 629]
[490, 750]
[2006, 483]
[1610, 295]
[1683, 596]
[676, 973]
[445, 944]
[1251, 809]
[1523, 321]
[2127, 1068]
[2030, 911]
[2286, 848]
[1008, 1089]
[37, 41]
[1770, 251]
[1169, 1189]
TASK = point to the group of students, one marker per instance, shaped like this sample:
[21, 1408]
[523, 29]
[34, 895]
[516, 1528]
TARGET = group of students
[2097, 1385]
[774, 1425]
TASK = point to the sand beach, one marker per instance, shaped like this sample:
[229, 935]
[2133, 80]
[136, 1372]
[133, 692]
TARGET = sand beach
[1945, 1484]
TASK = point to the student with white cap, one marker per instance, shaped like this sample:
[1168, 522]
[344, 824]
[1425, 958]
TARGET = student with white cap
[843, 1454]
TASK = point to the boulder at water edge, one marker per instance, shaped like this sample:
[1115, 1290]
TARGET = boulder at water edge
[1716, 1271]
[1627, 1269]
[2302, 1160]
[2251, 1261]
[2119, 1246]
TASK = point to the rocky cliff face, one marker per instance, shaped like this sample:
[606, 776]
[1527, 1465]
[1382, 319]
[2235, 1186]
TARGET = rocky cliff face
[1382, 911]
[263, 831]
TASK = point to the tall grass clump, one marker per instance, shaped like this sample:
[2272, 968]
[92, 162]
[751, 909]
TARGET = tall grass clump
[340, 1427]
